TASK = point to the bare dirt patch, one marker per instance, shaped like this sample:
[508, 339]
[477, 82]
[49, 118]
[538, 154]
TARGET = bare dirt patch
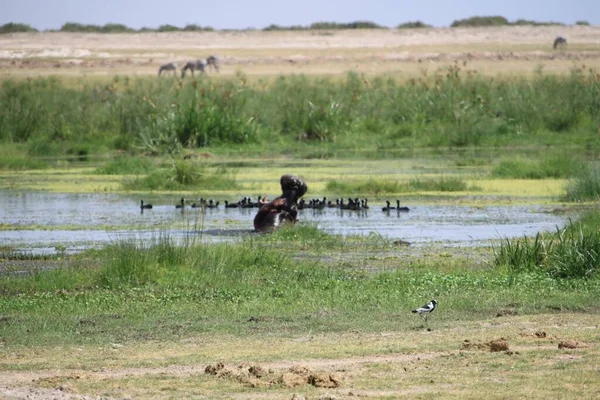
[310, 52]
[571, 344]
[341, 365]
[495, 345]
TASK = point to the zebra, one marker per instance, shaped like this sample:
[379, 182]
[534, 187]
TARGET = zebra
[559, 42]
[197, 65]
[213, 61]
[168, 67]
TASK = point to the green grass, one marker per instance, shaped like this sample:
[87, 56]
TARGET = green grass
[550, 166]
[585, 185]
[183, 174]
[442, 184]
[447, 108]
[376, 187]
[368, 187]
[298, 279]
[572, 252]
[126, 165]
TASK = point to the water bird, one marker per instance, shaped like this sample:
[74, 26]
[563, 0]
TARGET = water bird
[212, 204]
[388, 207]
[181, 204]
[145, 206]
[426, 309]
[231, 205]
[403, 209]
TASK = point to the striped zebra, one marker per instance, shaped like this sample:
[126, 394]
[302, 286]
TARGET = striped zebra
[167, 68]
[213, 62]
[559, 42]
[197, 65]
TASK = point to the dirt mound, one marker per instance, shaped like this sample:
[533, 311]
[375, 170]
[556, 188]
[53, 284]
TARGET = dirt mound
[493, 345]
[254, 375]
[571, 344]
[507, 312]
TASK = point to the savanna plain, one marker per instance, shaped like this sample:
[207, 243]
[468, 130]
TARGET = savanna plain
[475, 117]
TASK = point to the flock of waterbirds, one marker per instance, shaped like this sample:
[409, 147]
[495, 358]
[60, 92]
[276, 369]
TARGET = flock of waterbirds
[352, 204]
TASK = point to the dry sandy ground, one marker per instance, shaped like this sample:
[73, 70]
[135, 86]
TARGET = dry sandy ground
[503, 49]
[542, 356]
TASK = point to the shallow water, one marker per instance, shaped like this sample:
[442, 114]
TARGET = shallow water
[91, 220]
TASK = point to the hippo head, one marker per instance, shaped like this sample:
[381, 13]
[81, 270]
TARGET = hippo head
[293, 186]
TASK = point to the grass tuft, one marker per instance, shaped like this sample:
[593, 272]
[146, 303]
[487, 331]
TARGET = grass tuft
[585, 185]
[571, 252]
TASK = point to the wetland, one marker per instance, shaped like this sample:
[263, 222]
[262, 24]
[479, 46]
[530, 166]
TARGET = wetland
[488, 136]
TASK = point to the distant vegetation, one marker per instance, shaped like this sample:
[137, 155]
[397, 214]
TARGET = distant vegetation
[120, 28]
[108, 28]
[495, 20]
[326, 25]
[413, 24]
[12, 27]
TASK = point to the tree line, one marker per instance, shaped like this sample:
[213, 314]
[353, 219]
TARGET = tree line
[476, 21]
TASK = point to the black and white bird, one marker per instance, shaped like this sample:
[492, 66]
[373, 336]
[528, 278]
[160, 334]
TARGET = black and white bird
[426, 309]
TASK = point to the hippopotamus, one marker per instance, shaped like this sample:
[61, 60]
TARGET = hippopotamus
[283, 208]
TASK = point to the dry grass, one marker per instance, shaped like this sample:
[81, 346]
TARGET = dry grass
[418, 362]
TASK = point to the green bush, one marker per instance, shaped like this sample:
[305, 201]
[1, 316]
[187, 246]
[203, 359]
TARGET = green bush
[413, 24]
[13, 27]
[168, 28]
[480, 21]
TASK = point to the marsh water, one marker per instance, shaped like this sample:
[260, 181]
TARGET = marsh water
[73, 222]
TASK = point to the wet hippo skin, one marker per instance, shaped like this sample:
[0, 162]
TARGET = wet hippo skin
[282, 209]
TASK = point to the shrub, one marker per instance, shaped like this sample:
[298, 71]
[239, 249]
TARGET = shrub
[77, 27]
[13, 27]
[197, 28]
[168, 28]
[116, 28]
[350, 25]
[413, 24]
[480, 21]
